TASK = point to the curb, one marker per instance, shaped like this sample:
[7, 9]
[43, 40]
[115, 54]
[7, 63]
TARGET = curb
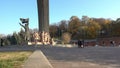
[46, 59]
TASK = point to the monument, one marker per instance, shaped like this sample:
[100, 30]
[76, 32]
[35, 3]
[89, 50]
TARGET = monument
[25, 25]
[42, 36]
[43, 15]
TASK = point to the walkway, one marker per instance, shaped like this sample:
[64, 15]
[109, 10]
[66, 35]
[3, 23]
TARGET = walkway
[37, 60]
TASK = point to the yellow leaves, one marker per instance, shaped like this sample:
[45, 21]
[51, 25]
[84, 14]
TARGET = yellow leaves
[94, 25]
[107, 21]
[74, 24]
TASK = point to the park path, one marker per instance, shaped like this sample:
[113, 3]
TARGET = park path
[37, 60]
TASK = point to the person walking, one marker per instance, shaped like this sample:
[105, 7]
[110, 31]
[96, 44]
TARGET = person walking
[80, 44]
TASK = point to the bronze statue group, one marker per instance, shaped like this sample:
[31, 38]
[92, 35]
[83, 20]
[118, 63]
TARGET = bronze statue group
[42, 37]
[37, 37]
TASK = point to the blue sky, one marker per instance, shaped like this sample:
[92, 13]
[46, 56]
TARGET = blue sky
[12, 10]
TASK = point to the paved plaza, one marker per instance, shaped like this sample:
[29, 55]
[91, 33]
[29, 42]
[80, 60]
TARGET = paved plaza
[88, 57]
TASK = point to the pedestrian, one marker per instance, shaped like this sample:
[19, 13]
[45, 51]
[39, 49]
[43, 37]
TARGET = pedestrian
[119, 44]
[80, 44]
[112, 43]
[103, 43]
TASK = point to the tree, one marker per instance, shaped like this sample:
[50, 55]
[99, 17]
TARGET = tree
[92, 28]
[53, 30]
[105, 26]
[6, 42]
[118, 20]
[63, 25]
[14, 39]
[115, 25]
[85, 19]
[73, 26]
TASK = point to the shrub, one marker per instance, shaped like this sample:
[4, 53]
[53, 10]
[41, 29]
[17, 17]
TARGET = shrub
[66, 37]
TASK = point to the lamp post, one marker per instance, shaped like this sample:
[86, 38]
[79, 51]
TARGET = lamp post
[97, 35]
[102, 32]
[59, 33]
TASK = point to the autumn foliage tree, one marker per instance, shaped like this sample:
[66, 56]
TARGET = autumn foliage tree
[54, 30]
[93, 28]
[73, 26]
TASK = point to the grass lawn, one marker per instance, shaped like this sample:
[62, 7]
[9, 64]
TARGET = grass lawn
[13, 59]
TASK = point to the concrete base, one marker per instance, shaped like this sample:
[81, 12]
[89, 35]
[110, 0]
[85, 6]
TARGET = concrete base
[33, 43]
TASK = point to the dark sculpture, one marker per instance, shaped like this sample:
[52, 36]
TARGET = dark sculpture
[26, 27]
[24, 20]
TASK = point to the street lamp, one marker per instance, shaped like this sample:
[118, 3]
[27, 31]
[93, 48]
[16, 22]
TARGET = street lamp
[102, 33]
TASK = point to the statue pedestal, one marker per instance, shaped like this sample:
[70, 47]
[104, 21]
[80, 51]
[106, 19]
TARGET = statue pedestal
[33, 43]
